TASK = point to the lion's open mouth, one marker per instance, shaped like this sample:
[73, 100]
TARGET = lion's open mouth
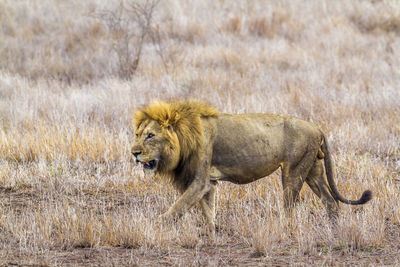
[149, 165]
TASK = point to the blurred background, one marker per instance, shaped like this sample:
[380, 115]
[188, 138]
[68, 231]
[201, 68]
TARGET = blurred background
[72, 73]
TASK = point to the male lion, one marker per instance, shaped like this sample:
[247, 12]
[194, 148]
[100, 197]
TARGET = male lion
[195, 146]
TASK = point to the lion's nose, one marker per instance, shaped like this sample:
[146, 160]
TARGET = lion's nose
[136, 153]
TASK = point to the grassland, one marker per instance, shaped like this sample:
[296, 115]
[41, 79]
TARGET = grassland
[70, 193]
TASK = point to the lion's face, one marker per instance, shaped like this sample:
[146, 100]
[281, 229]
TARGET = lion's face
[156, 148]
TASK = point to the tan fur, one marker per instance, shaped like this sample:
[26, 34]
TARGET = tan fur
[194, 145]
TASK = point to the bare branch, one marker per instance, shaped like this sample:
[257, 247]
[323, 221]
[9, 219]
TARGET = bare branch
[129, 24]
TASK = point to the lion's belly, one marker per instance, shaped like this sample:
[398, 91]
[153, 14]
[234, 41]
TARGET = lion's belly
[247, 148]
[240, 176]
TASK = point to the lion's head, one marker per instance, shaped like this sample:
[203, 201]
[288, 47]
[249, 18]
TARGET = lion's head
[169, 137]
[156, 147]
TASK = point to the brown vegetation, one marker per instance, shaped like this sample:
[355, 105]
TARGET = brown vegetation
[69, 193]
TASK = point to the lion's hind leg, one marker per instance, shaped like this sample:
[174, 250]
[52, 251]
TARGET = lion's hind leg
[292, 184]
[294, 174]
[318, 183]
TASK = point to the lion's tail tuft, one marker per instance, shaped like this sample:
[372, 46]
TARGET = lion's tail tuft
[366, 196]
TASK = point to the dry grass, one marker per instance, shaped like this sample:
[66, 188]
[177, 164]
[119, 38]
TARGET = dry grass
[69, 193]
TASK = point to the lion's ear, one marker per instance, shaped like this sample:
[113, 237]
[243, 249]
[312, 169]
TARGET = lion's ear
[171, 120]
[170, 128]
[175, 118]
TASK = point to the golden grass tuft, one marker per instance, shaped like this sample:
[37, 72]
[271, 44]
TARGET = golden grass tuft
[51, 142]
[70, 193]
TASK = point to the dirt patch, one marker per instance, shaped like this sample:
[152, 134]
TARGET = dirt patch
[222, 253]
[204, 256]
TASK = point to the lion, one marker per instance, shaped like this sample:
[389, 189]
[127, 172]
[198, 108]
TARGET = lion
[195, 146]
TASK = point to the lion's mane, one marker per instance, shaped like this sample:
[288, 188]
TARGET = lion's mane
[184, 117]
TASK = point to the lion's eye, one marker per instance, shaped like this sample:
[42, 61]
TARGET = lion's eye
[150, 135]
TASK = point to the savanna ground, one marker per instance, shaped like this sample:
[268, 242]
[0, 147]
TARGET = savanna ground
[70, 193]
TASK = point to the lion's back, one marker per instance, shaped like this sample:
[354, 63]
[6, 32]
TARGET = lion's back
[253, 145]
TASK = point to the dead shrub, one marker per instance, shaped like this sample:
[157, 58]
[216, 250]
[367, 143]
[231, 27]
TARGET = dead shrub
[129, 25]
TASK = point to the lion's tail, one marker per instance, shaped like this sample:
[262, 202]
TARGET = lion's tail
[365, 197]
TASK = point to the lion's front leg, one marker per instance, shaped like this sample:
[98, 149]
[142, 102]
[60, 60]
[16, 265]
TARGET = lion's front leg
[207, 204]
[201, 171]
[193, 194]
[198, 187]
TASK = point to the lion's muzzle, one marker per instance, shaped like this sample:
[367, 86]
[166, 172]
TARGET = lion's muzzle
[147, 164]
[136, 153]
